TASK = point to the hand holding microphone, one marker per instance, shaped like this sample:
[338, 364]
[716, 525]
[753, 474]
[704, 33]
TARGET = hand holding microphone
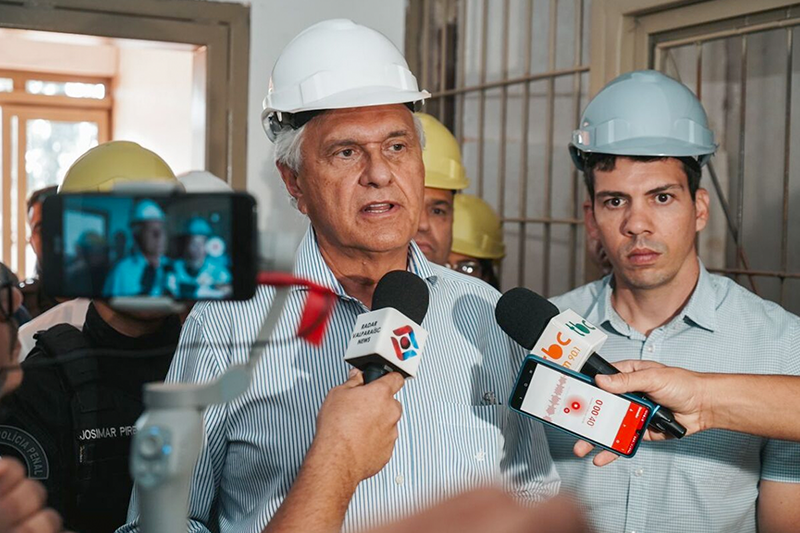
[566, 339]
[357, 426]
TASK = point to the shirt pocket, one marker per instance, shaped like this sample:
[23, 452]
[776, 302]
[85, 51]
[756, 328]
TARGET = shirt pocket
[471, 441]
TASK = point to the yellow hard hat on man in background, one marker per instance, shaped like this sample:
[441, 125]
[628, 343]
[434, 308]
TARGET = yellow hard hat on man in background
[444, 177]
[109, 163]
[102, 168]
[477, 239]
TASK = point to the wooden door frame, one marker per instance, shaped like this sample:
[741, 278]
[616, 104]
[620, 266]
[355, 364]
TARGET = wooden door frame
[24, 113]
[621, 30]
[222, 29]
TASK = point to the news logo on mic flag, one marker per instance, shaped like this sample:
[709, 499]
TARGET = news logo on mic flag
[405, 343]
[388, 338]
[569, 340]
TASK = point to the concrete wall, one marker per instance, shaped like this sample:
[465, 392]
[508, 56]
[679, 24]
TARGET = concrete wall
[153, 102]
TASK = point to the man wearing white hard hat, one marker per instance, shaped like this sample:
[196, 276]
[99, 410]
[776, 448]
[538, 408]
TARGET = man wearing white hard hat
[309, 448]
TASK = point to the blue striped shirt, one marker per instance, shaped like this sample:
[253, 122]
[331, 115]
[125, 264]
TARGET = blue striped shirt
[456, 431]
[707, 482]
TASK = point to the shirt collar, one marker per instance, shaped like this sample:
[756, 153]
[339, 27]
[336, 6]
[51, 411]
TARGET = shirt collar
[702, 306]
[701, 309]
[309, 264]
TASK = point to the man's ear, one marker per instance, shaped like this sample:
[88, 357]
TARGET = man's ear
[588, 219]
[701, 203]
[290, 180]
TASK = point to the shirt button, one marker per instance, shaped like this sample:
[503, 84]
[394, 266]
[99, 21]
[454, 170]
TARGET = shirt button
[399, 479]
[649, 349]
[639, 472]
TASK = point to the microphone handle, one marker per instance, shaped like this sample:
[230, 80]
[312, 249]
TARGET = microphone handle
[663, 419]
[374, 371]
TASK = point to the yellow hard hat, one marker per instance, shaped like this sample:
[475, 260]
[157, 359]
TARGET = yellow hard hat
[477, 231]
[104, 165]
[442, 157]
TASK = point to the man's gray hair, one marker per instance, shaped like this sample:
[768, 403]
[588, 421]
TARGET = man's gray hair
[289, 144]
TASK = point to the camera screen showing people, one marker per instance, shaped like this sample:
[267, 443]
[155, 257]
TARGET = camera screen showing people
[114, 245]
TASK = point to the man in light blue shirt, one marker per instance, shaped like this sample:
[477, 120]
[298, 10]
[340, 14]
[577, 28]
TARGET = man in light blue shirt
[300, 451]
[144, 272]
[642, 142]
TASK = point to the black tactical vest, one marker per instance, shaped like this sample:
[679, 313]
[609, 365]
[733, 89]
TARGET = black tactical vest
[103, 417]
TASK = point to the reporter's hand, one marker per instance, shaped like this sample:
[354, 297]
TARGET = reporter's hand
[491, 509]
[22, 502]
[679, 390]
[357, 425]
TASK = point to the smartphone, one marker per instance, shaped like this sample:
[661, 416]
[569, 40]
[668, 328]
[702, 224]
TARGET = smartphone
[187, 246]
[571, 402]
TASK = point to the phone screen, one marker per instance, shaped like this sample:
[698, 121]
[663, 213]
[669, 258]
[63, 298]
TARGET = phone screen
[575, 405]
[184, 246]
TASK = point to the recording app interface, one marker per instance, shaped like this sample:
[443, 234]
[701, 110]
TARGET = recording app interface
[177, 246]
[583, 409]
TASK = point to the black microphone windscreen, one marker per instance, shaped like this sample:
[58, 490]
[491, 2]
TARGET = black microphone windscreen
[523, 315]
[405, 292]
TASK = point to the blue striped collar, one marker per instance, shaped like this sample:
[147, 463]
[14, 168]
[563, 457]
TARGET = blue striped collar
[309, 264]
[701, 309]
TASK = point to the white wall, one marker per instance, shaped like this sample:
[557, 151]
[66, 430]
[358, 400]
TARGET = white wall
[273, 23]
[20, 51]
[153, 104]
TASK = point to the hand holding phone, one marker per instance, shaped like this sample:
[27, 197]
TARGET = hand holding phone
[571, 402]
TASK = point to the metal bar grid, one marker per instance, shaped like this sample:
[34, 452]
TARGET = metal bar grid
[482, 101]
[524, 136]
[787, 151]
[476, 15]
[740, 170]
[527, 79]
[548, 142]
[443, 59]
[576, 118]
[462, 66]
[734, 32]
[742, 265]
[501, 158]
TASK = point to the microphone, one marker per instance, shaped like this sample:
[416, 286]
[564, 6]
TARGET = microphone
[389, 338]
[566, 339]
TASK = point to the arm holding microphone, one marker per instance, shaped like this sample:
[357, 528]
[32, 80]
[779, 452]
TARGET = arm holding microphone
[356, 433]
[755, 404]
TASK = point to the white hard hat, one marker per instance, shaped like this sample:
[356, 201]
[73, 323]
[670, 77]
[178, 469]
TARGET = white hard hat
[336, 64]
[146, 211]
[203, 181]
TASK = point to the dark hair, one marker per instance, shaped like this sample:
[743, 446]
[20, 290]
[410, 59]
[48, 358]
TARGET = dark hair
[37, 197]
[607, 162]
